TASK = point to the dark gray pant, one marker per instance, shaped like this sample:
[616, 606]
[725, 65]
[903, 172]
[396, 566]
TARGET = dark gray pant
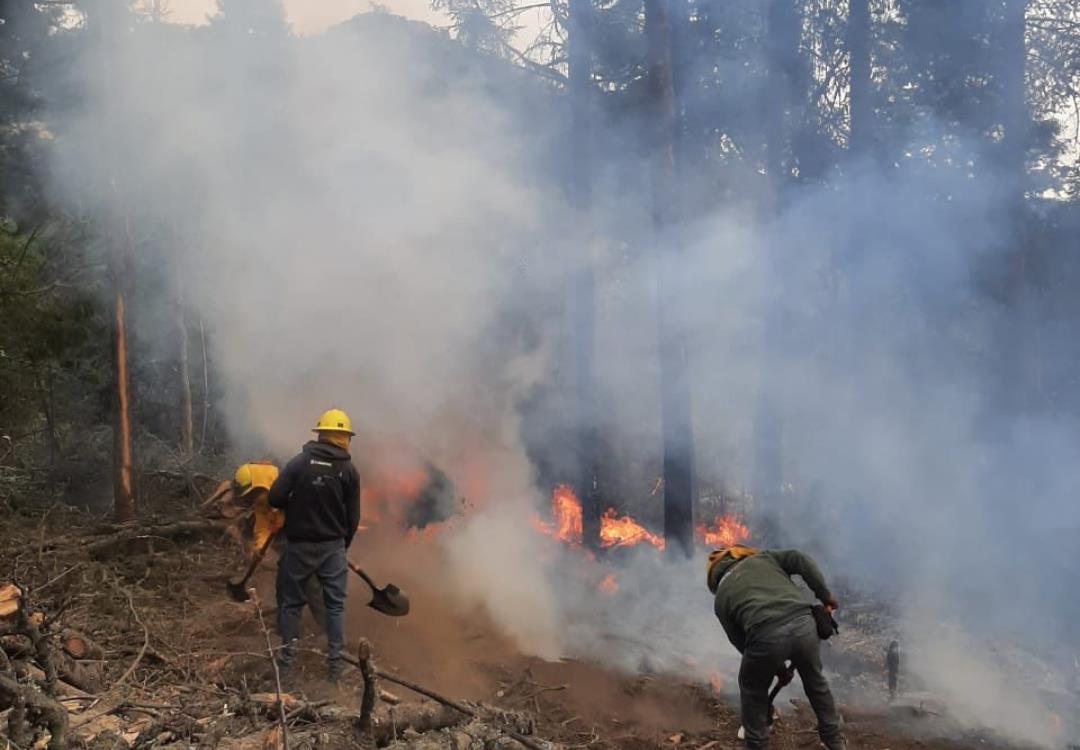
[298, 565]
[766, 652]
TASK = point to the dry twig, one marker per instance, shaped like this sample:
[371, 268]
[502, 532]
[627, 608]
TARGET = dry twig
[277, 673]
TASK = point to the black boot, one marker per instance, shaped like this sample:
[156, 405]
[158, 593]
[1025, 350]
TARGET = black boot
[335, 668]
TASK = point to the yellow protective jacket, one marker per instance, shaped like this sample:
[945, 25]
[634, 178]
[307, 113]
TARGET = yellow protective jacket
[268, 521]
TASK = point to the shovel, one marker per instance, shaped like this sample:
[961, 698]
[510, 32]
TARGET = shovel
[388, 600]
[783, 679]
[238, 590]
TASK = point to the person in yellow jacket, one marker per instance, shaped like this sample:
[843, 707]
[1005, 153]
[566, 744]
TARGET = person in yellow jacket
[246, 496]
[252, 482]
[249, 490]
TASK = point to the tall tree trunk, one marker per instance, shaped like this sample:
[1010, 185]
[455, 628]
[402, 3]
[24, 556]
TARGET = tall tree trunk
[48, 407]
[183, 384]
[782, 57]
[105, 20]
[678, 442]
[1019, 361]
[123, 471]
[860, 65]
[1016, 115]
[580, 195]
[205, 384]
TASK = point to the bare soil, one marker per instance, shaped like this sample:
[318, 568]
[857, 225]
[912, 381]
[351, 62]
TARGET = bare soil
[190, 658]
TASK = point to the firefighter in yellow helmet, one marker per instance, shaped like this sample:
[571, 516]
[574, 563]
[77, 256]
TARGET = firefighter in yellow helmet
[253, 480]
[319, 492]
[246, 496]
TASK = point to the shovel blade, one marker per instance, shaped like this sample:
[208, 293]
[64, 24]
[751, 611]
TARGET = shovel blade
[389, 601]
[237, 592]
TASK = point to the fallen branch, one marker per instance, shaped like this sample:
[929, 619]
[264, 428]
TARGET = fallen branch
[28, 627]
[145, 644]
[277, 673]
[388, 724]
[50, 711]
[105, 706]
[421, 690]
[57, 577]
[129, 533]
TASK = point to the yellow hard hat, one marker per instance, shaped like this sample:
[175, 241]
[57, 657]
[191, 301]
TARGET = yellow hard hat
[334, 420]
[255, 475]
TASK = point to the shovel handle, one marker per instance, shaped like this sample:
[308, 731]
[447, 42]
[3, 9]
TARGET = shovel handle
[360, 572]
[258, 559]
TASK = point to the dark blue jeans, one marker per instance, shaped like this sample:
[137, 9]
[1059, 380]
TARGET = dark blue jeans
[300, 562]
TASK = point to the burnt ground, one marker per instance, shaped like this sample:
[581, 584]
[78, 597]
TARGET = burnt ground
[181, 661]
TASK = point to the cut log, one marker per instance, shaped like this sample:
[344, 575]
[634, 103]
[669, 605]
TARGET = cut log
[78, 646]
[269, 701]
[388, 723]
[63, 689]
[10, 595]
[82, 674]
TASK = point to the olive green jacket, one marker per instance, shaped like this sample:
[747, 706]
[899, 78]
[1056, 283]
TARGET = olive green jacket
[757, 591]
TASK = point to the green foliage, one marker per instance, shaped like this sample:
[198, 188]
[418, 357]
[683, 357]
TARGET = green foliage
[53, 341]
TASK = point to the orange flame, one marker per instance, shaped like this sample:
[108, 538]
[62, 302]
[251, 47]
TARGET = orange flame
[609, 585]
[389, 492]
[566, 525]
[726, 531]
[566, 516]
[625, 532]
[716, 682]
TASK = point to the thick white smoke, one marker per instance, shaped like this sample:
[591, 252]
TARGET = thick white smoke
[368, 219]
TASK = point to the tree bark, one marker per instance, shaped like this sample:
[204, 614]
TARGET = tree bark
[584, 286]
[860, 65]
[1020, 362]
[123, 472]
[782, 57]
[187, 439]
[103, 20]
[676, 426]
[206, 384]
[48, 407]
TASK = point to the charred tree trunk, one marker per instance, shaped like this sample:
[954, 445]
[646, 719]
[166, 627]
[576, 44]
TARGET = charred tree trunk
[48, 407]
[580, 193]
[782, 56]
[858, 44]
[183, 382]
[1019, 351]
[678, 443]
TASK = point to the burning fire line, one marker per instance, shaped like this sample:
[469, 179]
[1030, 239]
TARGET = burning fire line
[624, 531]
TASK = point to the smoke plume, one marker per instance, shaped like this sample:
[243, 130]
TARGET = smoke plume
[369, 219]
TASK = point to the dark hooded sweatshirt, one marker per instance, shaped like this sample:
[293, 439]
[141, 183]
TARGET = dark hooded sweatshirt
[319, 491]
[756, 592]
